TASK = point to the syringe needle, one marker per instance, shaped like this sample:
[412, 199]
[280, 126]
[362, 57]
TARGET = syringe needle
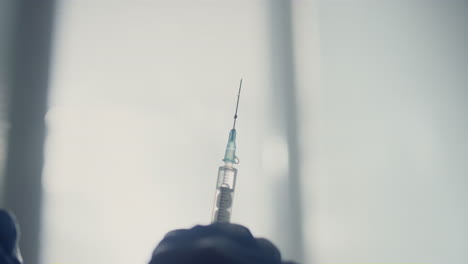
[237, 105]
[226, 183]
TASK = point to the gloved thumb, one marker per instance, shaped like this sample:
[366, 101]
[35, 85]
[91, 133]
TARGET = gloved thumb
[9, 236]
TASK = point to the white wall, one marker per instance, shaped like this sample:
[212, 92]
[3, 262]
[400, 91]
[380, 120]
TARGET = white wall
[142, 99]
[386, 161]
[382, 90]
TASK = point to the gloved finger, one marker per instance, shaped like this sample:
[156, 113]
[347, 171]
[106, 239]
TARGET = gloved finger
[215, 236]
[237, 233]
[234, 232]
[215, 243]
[269, 249]
[9, 234]
[175, 233]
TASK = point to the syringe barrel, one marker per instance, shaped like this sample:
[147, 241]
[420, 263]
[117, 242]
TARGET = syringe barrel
[224, 193]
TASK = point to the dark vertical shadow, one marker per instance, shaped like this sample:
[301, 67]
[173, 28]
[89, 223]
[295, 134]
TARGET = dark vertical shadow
[6, 17]
[29, 78]
[284, 105]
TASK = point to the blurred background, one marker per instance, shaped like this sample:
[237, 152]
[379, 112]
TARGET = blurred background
[352, 129]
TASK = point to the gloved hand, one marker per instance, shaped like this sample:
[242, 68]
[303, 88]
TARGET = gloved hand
[9, 233]
[221, 243]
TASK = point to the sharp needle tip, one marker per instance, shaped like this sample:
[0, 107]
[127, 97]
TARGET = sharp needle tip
[237, 104]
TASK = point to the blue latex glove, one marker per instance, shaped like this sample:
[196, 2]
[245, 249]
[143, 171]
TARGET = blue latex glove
[221, 243]
[9, 233]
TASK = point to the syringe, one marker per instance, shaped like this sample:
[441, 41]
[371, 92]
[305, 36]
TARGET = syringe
[227, 176]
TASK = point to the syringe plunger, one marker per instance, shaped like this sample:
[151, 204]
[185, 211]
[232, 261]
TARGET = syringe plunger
[224, 193]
